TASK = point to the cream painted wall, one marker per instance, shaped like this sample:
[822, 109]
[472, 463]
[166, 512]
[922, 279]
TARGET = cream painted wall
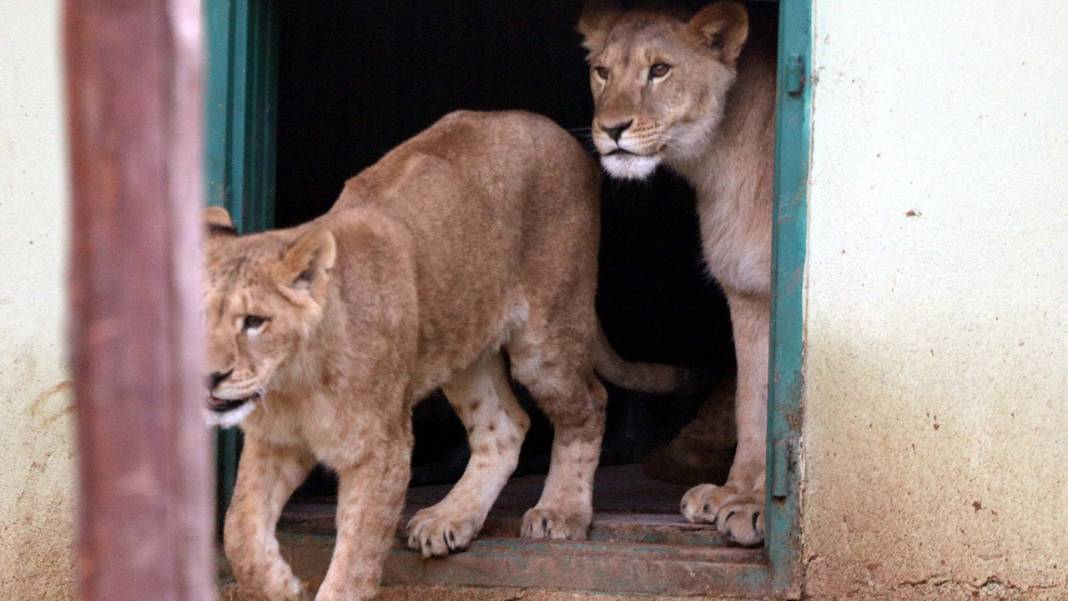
[36, 447]
[936, 420]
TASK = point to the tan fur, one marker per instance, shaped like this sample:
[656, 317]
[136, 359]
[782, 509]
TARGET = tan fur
[710, 118]
[475, 237]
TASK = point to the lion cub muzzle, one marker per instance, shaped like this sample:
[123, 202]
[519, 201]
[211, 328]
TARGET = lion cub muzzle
[227, 408]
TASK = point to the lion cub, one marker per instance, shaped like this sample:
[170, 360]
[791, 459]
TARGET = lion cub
[697, 94]
[476, 236]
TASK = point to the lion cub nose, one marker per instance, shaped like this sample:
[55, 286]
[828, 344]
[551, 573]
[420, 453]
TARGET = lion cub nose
[217, 378]
[615, 131]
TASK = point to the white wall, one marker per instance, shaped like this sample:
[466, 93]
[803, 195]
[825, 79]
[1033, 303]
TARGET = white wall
[36, 470]
[936, 425]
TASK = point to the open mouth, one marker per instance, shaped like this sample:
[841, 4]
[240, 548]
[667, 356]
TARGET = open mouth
[223, 405]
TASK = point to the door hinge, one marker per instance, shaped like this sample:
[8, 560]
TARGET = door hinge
[782, 463]
[795, 75]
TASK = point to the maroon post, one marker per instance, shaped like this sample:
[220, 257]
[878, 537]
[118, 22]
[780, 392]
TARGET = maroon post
[133, 82]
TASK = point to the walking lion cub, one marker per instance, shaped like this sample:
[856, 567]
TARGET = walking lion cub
[475, 237]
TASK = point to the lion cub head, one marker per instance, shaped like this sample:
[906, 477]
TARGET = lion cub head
[264, 296]
[659, 81]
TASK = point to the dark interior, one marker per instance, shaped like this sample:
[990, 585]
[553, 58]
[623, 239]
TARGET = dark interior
[358, 78]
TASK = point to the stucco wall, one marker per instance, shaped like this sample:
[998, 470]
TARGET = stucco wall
[936, 424]
[36, 461]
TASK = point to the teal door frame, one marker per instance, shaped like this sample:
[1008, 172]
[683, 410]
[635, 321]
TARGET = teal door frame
[239, 130]
[242, 38]
[793, 130]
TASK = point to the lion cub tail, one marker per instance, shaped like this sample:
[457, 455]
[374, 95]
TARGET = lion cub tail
[653, 378]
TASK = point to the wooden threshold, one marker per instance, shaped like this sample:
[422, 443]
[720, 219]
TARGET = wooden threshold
[649, 551]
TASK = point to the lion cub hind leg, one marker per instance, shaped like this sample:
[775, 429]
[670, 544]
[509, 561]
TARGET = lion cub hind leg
[565, 508]
[574, 401]
[496, 426]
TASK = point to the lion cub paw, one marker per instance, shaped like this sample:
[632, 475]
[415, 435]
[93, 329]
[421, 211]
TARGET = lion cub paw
[437, 533]
[289, 589]
[737, 515]
[556, 524]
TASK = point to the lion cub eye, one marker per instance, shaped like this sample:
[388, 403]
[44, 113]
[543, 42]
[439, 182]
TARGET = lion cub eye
[602, 72]
[659, 70]
[253, 322]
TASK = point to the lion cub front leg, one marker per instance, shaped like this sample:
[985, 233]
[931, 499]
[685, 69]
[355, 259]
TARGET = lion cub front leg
[369, 503]
[496, 425]
[266, 477]
[737, 507]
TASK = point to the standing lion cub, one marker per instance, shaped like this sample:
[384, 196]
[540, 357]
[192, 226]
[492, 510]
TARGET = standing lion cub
[697, 94]
[475, 237]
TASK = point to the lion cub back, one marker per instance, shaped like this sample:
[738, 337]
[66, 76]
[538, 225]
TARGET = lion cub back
[511, 154]
[501, 211]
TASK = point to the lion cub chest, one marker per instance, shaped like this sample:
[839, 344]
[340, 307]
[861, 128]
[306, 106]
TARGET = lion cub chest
[333, 430]
[737, 250]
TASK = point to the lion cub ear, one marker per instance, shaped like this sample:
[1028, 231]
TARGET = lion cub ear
[724, 27]
[305, 267]
[218, 221]
[598, 17]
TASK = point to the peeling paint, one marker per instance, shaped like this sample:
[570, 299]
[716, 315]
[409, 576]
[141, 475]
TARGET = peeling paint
[59, 391]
